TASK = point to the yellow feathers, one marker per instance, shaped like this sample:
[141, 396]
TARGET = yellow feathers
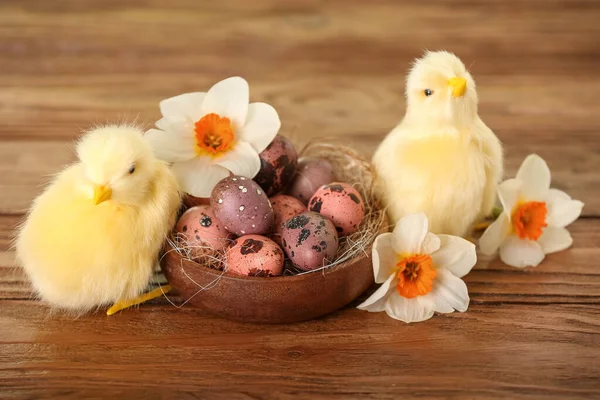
[93, 236]
[441, 159]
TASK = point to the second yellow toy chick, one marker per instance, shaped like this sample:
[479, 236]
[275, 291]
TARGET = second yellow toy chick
[93, 236]
[441, 159]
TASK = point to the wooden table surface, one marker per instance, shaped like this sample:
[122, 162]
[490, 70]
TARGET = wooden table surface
[331, 68]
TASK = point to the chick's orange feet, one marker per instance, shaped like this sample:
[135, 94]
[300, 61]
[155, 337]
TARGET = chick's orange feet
[123, 304]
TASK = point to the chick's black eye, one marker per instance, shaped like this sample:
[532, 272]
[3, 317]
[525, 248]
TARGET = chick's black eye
[132, 169]
[428, 92]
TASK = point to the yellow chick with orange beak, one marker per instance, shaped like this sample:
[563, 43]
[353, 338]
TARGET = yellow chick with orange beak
[442, 159]
[92, 238]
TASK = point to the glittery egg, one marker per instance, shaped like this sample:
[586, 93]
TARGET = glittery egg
[242, 206]
[254, 255]
[284, 207]
[309, 240]
[342, 204]
[277, 165]
[312, 173]
[200, 227]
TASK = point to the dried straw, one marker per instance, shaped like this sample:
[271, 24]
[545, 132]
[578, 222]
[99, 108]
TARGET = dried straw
[348, 167]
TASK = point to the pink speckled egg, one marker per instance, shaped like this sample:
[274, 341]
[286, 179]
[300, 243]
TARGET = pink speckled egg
[254, 255]
[199, 227]
[342, 204]
[309, 240]
[312, 173]
[242, 206]
[284, 207]
[277, 165]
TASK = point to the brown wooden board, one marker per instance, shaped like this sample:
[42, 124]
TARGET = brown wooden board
[332, 69]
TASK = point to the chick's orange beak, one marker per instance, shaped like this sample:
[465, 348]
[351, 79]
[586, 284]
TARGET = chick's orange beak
[458, 86]
[101, 194]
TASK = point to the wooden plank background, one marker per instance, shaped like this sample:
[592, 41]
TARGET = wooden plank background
[332, 69]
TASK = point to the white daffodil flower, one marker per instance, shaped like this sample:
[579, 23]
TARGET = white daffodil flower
[420, 272]
[534, 217]
[208, 135]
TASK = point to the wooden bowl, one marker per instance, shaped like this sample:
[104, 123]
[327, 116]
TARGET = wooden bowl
[274, 300]
[282, 299]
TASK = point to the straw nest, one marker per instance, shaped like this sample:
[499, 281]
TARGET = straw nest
[349, 167]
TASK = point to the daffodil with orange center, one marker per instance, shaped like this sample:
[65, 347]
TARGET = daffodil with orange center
[534, 218]
[415, 275]
[207, 136]
[420, 272]
[214, 135]
[528, 219]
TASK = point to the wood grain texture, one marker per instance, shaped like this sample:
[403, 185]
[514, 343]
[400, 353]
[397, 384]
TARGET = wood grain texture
[501, 351]
[332, 69]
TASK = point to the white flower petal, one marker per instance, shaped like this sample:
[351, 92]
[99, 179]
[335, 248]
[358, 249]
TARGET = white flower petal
[384, 257]
[179, 128]
[431, 243]
[456, 255]
[229, 98]
[562, 211]
[449, 293]
[409, 233]
[535, 175]
[495, 235]
[262, 125]
[185, 106]
[557, 195]
[408, 310]
[555, 239]
[165, 124]
[168, 147]
[521, 253]
[376, 302]
[509, 192]
[564, 214]
[199, 176]
[438, 306]
[241, 160]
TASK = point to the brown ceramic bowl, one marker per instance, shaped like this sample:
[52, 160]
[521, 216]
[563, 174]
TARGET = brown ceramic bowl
[272, 300]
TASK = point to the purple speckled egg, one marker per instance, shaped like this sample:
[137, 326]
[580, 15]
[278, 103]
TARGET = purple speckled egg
[284, 207]
[254, 255]
[312, 173]
[200, 227]
[277, 165]
[342, 204]
[242, 206]
[309, 240]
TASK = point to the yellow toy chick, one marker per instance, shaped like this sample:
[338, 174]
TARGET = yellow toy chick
[441, 160]
[92, 238]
